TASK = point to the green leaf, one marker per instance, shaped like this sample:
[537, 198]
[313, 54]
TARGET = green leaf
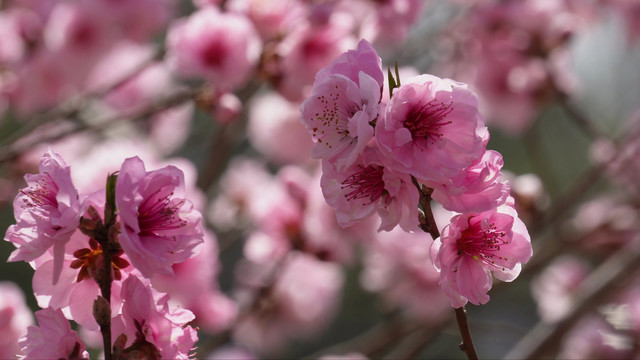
[110, 207]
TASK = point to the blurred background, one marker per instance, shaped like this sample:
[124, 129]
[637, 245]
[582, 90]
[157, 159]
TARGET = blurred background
[214, 87]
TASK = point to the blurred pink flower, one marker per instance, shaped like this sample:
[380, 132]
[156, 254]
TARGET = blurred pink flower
[159, 227]
[15, 317]
[52, 338]
[476, 188]
[554, 288]
[302, 301]
[397, 264]
[271, 18]
[221, 47]
[305, 51]
[152, 328]
[138, 20]
[213, 310]
[431, 129]
[47, 213]
[276, 131]
[351, 63]
[474, 246]
[367, 187]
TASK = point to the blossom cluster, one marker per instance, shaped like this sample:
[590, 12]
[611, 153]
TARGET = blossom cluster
[379, 156]
[62, 235]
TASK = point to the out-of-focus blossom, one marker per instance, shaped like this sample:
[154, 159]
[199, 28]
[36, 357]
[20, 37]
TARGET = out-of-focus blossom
[52, 338]
[150, 327]
[221, 47]
[300, 303]
[389, 23]
[477, 188]
[518, 58]
[272, 19]
[349, 356]
[554, 288]
[138, 20]
[397, 264]
[47, 213]
[431, 129]
[605, 223]
[305, 51]
[231, 353]
[594, 338]
[227, 108]
[475, 246]
[275, 130]
[159, 227]
[213, 311]
[368, 187]
[15, 317]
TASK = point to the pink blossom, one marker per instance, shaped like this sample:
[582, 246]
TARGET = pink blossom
[476, 188]
[303, 300]
[305, 51]
[81, 272]
[152, 328]
[397, 265]
[47, 212]
[41, 82]
[474, 246]
[271, 18]
[431, 129]
[15, 317]
[52, 338]
[276, 131]
[212, 309]
[391, 21]
[138, 20]
[367, 187]
[351, 63]
[159, 227]
[221, 47]
[554, 288]
[339, 116]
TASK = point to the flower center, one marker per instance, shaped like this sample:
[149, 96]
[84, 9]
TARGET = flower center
[213, 53]
[427, 121]
[365, 183]
[43, 193]
[91, 262]
[159, 213]
[482, 243]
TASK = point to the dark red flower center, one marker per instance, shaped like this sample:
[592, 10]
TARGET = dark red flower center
[427, 120]
[365, 183]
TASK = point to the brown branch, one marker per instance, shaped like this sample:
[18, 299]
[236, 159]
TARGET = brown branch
[11, 151]
[428, 224]
[600, 286]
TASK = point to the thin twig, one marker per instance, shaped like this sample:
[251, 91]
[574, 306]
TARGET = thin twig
[9, 152]
[428, 224]
[600, 286]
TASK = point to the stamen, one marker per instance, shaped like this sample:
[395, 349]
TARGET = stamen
[427, 121]
[365, 183]
[43, 193]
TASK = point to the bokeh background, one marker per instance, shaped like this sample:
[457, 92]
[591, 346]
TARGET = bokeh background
[559, 86]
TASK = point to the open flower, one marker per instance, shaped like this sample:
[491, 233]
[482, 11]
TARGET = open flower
[474, 246]
[431, 129]
[159, 227]
[47, 212]
[344, 106]
[151, 328]
[367, 187]
[476, 188]
[52, 338]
